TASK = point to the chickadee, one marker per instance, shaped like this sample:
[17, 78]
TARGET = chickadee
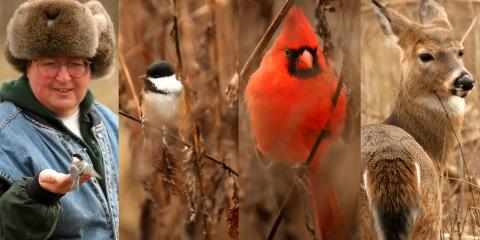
[162, 100]
[78, 168]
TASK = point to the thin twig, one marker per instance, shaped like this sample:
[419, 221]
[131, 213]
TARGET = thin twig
[222, 163]
[174, 34]
[462, 180]
[468, 30]
[256, 55]
[446, 228]
[129, 81]
[461, 152]
[208, 156]
[367, 8]
[129, 116]
[279, 217]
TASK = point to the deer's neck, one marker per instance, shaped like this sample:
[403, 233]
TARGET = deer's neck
[426, 120]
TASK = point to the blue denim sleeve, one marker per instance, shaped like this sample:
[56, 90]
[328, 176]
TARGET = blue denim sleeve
[21, 217]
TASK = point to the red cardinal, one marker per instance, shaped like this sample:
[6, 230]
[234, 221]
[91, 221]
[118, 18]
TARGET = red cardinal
[289, 97]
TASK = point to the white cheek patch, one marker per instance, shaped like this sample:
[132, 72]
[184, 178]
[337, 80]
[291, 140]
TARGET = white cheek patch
[168, 84]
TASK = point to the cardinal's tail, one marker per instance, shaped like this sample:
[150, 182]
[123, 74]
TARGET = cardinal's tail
[327, 209]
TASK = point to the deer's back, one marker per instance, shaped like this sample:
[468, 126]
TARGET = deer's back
[388, 151]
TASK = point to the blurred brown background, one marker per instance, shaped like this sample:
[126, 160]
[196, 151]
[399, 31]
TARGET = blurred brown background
[105, 90]
[381, 74]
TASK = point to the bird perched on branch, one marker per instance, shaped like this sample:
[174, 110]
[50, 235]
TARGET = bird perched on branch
[290, 102]
[289, 97]
[163, 98]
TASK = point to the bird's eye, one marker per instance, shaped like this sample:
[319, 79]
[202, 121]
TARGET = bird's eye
[460, 53]
[287, 51]
[426, 57]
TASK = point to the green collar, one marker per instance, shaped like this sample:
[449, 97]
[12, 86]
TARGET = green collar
[19, 92]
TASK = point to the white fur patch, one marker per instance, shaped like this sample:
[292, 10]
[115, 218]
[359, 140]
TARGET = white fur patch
[168, 84]
[417, 168]
[374, 210]
[365, 184]
[454, 104]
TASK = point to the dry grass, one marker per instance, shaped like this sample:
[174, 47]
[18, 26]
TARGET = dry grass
[380, 77]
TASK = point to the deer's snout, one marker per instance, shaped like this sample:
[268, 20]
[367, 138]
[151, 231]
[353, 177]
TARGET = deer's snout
[464, 82]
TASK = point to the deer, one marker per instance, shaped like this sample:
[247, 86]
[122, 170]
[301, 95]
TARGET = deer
[403, 157]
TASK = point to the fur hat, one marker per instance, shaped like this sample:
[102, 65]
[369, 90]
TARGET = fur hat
[61, 28]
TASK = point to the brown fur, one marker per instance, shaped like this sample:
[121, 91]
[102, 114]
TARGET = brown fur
[417, 133]
[61, 28]
[387, 152]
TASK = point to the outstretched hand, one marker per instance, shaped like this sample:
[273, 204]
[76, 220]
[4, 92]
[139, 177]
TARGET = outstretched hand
[56, 182]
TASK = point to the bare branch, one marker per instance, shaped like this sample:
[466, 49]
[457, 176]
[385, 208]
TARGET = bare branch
[256, 55]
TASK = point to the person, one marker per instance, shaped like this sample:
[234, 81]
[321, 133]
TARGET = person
[49, 115]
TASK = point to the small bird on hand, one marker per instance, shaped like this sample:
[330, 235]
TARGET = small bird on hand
[78, 168]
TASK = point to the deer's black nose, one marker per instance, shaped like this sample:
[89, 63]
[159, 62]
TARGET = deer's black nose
[464, 81]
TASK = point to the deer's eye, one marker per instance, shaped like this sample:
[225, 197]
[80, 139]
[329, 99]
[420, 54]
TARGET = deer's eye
[426, 57]
[460, 53]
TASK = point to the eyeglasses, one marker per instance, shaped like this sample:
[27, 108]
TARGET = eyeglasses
[50, 67]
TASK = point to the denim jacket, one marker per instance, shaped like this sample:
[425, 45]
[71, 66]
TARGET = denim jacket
[28, 146]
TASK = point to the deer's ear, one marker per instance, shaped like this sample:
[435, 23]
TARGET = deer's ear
[393, 24]
[431, 12]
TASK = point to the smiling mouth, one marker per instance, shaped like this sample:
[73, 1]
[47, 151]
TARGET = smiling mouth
[63, 90]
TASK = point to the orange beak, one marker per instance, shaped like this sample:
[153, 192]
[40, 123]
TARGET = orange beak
[304, 61]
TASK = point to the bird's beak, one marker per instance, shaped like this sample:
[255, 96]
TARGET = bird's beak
[143, 77]
[305, 61]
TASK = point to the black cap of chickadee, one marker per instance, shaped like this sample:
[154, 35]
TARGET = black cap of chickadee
[163, 97]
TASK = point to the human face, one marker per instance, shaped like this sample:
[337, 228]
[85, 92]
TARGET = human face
[62, 92]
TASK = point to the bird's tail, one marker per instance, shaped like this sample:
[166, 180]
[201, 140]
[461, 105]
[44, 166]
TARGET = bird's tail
[327, 209]
[392, 188]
